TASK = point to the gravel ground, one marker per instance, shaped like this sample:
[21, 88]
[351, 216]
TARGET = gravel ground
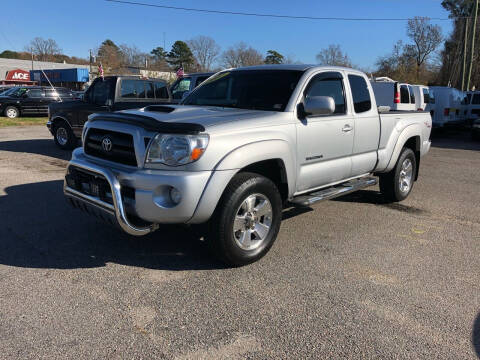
[349, 278]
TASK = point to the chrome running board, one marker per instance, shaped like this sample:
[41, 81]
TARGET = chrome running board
[333, 191]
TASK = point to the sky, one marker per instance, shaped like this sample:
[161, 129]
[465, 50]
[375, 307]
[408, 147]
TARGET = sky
[78, 26]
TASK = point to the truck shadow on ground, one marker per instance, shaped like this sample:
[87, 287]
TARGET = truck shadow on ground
[40, 230]
[476, 335]
[44, 147]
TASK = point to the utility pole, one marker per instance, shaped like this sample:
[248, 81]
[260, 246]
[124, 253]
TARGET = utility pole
[31, 52]
[464, 64]
[164, 41]
[472, 47]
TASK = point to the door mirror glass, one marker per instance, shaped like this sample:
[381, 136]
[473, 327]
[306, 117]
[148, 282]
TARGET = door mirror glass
[319, 106]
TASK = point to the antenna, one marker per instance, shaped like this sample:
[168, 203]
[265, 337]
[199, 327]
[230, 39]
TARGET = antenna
[46, 77]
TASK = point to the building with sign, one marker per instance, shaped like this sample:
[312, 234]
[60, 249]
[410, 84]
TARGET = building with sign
[22, 72]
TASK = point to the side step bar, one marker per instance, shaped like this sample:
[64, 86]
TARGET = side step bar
[334, 191]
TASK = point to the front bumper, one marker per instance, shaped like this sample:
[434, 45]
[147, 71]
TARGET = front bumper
[49, 126]
[150, 202]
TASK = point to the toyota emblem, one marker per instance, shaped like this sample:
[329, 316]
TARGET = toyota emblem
[107, 144]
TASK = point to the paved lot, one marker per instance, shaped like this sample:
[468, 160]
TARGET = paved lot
[354, 278]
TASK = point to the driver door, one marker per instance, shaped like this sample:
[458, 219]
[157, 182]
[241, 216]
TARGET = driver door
[325, 143]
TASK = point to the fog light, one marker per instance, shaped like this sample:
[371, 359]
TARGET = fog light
[175, 195]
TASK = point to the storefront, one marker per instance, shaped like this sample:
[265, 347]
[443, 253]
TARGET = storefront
[17, 77]
[74, 79]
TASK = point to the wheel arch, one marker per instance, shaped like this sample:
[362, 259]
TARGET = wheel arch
[410, 138]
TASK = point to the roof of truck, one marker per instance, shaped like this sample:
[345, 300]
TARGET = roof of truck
[298, 67]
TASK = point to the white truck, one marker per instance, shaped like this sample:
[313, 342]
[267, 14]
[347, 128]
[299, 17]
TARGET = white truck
[449, 106]
[241, 147]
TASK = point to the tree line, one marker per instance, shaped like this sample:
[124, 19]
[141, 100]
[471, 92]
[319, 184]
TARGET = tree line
[425, 58]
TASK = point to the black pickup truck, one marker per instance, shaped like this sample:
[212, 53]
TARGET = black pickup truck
[112, 93]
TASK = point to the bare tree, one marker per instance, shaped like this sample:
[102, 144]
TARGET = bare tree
[205, 50]
[426, 37]
[241, 55]
[333, 55]
[43, 49]
[132, 56]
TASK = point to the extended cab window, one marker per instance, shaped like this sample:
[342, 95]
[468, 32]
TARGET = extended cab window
[360, 93]
[133, 89]
[404, 95]
[150, 90]
[328, 84]
[161, 91]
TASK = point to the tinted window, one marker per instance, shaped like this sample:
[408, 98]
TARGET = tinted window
[469, 97]
[133, 89]
[51, 93]
[360, 93]
[35, 93]
[328, 84]
[426, 96]
[161, 91]
[476, 99]
[247, 89]
[412, 95]
[100, 92]
[150, 90]
[200, 79]
[180, 87]
[404, 95]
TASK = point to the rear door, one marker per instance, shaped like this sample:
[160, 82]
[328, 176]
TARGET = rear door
[367, 126]
[324, 143]
[33, 101]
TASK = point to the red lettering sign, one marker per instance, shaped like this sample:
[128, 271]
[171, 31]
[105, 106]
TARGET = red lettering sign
[18, 75]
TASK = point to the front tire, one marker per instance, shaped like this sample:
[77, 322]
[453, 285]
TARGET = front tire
[12, 112]
[246, 221]
[63, 135]
[397, 184]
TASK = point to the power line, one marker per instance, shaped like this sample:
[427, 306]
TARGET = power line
[267, 15]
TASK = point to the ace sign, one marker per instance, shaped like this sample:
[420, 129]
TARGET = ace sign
[18, 75]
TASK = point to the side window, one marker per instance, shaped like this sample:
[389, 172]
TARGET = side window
[180, 87]
[360, 93]
[328, 84]
[161, 91]
[35, 93]
[476, 99]
[412, 95]
[51, 94]
[150, 90]
[200, 79]
[133, 89]
[404, 95]
[426, 96]
[101, 92]
[469, 98]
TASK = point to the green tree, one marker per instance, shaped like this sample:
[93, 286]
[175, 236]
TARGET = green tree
[9, 54]
[181, 55]
[159, 53]
[274, 57]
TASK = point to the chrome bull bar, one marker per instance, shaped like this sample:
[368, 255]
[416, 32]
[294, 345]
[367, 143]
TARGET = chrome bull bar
[115, 211]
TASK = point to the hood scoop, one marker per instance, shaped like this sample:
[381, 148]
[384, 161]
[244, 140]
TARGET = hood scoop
[159, 108]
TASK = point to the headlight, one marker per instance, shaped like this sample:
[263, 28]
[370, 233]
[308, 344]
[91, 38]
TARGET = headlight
[176, 150]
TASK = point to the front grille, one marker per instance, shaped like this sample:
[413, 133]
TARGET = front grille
[122, 149]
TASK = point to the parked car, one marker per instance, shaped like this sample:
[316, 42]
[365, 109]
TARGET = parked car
[449, 104]
[184, 85]
[395, 95]
[29, 100]
[112, 93]
[473, 106]
[239, 148]
[424, 99]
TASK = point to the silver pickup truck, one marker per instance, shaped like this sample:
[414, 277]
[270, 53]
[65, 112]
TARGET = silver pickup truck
[241, 147]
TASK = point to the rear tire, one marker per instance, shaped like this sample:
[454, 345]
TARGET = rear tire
[63, 135]
[12, 112]
[246, 221]
[397, 184]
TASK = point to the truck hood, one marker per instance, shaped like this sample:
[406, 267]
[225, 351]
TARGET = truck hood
[207, 116]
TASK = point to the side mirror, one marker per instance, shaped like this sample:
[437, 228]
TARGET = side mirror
[319, 106]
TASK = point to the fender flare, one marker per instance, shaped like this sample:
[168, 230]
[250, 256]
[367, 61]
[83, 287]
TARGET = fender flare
[411, 131]
[236, 160]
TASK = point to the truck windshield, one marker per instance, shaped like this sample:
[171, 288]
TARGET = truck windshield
[267, 90]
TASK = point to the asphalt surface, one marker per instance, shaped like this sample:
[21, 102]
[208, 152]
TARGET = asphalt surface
[350, 278]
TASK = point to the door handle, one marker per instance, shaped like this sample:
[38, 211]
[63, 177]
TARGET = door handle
[347, 128]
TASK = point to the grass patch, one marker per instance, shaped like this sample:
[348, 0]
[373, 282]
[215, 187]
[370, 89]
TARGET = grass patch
[22, 121]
